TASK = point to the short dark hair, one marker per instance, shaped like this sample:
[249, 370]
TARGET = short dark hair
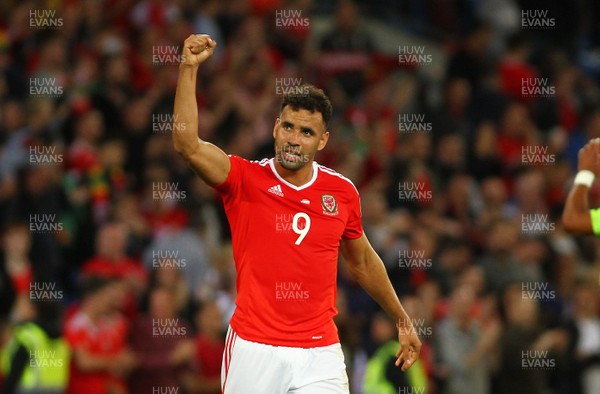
[308, 97]
[91, 285]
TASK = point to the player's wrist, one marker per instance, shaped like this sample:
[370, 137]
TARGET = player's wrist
[584, 178]
[404, 324]
[189, 66]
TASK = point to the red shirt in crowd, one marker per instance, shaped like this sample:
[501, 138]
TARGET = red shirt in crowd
[123, 269]
[104, 338]
[209, 355]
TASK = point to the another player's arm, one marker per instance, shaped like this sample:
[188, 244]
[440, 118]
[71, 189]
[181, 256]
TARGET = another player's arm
[577, 216]
[120, 364]
[89, 362]
[206, 159]
[368, 270]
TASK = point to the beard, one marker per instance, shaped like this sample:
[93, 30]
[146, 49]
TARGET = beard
[290, 158]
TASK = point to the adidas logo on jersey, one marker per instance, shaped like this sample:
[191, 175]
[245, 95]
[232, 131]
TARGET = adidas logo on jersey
[276, 190]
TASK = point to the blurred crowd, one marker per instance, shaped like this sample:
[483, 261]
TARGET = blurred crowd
[122, 258]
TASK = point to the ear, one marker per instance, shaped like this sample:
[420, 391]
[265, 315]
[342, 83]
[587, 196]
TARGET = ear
[323, 141]
[277, 121]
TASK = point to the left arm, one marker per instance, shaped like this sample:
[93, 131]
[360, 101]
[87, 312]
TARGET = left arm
[576, 215]
[368, 270]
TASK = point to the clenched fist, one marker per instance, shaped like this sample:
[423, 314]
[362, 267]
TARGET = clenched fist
[589, 157]
[197, 48]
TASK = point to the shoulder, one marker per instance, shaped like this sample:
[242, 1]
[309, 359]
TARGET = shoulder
[240, 161]
[337, 179]
[77, 327]
[261, 162]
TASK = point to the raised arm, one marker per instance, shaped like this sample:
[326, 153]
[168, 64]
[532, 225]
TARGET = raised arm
[576, 215]
[206, 159]
[368, 270]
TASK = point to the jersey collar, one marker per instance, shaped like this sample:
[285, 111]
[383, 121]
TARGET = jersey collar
[288, 184]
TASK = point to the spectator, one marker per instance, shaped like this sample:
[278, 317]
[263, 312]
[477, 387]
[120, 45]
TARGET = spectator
[349, 38]
[498, 262]
[184, 251]
[111, 261]
[524, 347]
[380, 377]
[470, 60]
[582, 365]
[156, 340]
[515, 71]
[37, 357]
[209, 345]
[483, 158]
[464, 348]
[97, 335]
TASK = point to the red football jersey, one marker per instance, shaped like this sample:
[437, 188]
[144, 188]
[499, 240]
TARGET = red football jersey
[285, 245]
[106, 338]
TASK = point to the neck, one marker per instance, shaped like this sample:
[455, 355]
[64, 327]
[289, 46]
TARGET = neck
[297, 177]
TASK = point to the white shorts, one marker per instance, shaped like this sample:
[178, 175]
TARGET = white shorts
[251, 367]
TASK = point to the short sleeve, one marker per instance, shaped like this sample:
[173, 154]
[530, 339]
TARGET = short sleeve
[595, 217]
[354, 227]
[232, 185]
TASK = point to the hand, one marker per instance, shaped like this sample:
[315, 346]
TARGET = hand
[589, 157]
[124, 362]
[183, 352]
[197, 48]
[410, 345]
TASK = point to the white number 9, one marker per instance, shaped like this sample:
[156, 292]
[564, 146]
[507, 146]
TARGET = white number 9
[301, 232]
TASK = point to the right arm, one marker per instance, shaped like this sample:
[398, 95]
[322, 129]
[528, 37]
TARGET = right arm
[576, 215]
[206, 159]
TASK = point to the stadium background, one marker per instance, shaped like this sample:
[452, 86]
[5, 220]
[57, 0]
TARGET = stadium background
[458, 121]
